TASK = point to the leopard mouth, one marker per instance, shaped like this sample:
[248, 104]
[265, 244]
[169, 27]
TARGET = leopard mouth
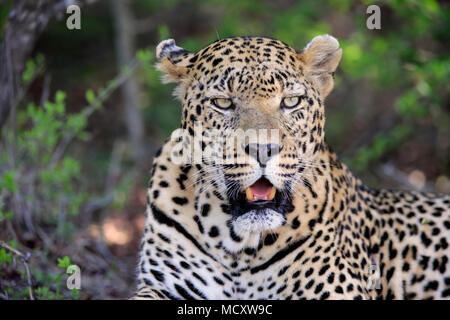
[262, 189]
[260, 198]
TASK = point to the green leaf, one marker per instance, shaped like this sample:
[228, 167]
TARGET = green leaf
[5, 257]
[28, 73]
[13, 244]
[75, 294]
[60, 96]
[9, 183]
[144, 55]
[90, 97]
[163, 32]
[7, 215]
[76, 122]
[64, 262]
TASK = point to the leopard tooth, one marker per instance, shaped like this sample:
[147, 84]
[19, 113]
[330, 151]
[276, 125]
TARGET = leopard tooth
[249, 194]
[272, 193]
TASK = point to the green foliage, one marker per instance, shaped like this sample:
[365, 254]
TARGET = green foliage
[43, 135]
[44, 177]
[8, 182]
[6, 215]
[381, 144]
[64, 262]
[163, 32]
[51, 285]
[5, 257]
[41, 172]
[90, 96]
[145, 56]
[396, 60]
[46, 286]
[44, 293]
[32, 68]
[36, 167]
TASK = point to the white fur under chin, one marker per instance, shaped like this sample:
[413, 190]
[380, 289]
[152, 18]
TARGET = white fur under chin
[250, 226]
[254, 221]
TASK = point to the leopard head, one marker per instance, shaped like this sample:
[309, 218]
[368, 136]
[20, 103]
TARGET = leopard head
[258, 105]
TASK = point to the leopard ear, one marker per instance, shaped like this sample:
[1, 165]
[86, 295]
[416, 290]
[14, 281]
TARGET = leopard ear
[175, 62]
[320, 59]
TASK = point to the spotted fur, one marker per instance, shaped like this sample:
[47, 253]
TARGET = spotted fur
[332, 227]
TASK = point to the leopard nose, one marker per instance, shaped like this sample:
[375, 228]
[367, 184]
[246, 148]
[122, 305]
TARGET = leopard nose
[263, 152]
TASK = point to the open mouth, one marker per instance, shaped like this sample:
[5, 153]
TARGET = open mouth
[262, 189]
[259, 198]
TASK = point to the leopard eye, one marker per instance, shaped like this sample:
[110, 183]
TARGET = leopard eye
[223, 103]
[290, 102]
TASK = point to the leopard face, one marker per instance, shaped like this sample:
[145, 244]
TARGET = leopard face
[263, 102]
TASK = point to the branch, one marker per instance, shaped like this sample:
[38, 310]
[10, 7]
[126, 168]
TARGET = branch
[89, 109]
[24, 258]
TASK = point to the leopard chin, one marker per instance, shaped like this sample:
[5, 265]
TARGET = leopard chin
[258, 221]
[249, 228]
[259, 209]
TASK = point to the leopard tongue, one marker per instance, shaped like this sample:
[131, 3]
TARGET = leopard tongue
[260, 190]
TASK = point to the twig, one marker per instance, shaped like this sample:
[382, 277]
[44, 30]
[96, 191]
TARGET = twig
[114, 169]
[99, 203]
[89, 109]
[46, 89]
[24, 258]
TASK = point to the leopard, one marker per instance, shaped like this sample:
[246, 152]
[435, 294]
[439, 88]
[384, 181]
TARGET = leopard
[276, 215]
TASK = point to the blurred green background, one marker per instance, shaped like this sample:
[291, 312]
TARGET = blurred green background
[388, 118]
